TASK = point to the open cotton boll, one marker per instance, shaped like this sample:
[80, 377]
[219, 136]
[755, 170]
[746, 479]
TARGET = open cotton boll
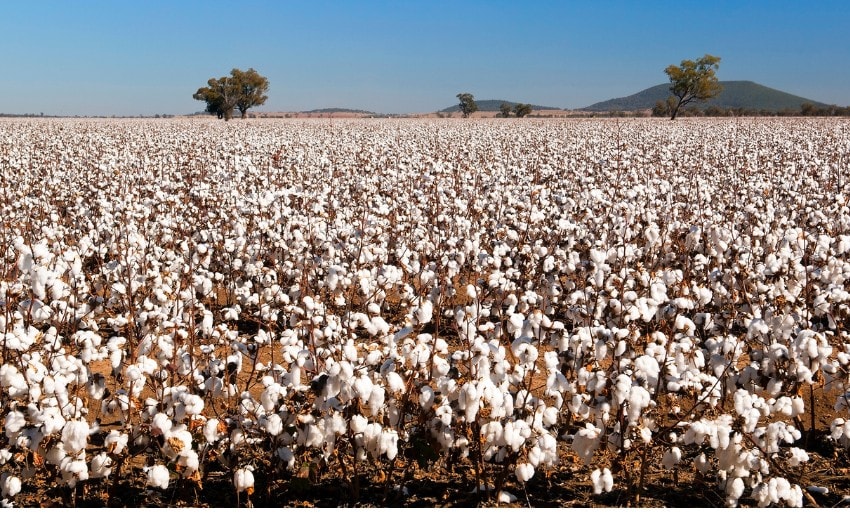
[101, 466]
[734, 491]
[602, 481]
[212, 432]
[797, 456]
[394, 382]
[671, 457]
[524, 472]
[243, 480]
[585, 442]
[75, 436]
[115, 442]
[10, 485]
[15, 422]
[157, 476]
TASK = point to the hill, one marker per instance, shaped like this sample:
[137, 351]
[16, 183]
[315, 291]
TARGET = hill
[735, 94]
[493, 105]
[336, 110]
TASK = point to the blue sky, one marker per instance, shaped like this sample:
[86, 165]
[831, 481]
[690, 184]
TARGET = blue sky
[127, 58]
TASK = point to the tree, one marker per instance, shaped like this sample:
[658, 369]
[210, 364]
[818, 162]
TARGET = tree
[467, 104]
[252, 89]
[241, 90]
[505, 109]
[693, 80]
[660, 109]
[522, 109]
[220, 96]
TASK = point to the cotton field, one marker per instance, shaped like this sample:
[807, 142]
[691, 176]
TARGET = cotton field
[265, 303]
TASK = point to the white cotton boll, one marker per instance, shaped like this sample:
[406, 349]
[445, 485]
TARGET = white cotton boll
[389, 443]
[115, 442]
[638, 400]
[647, 368]
[797, 457]
[243, 480]
[10, 485]
[157, 476]
[273, 424]
[734, 491]
[426, 397]
[75, 436]
[363, 387]
[15, 422]
[211, 431]
[507, 498]
[524, 472]
[550, 416]
[585, 442]
[394, 382]
[798, 406]
[672, 457]
[607, 480]
[101, 466]
[358, 424]
[160, 424]
[373, 358]
[596, 480]
[424, 312]
[376, 399]
[189, 462]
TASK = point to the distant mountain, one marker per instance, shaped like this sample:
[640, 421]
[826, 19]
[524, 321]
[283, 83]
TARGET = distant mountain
[493, 105]
[332, 110]
[735, 94]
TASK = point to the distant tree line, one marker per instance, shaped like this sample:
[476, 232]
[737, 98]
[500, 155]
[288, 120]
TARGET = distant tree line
[518, 110]
[664, 109]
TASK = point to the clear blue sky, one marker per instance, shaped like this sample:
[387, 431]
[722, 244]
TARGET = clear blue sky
[119, 57]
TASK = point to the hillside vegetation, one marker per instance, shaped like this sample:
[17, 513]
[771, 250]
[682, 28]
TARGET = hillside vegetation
[735, 94]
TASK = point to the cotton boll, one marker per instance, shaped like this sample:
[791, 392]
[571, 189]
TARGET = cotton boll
[524, 472]
[101, 466]
[376, 399]
[157, 476]
[10, 485]
[273, 424]
[672, 457]
[15, 422]
[734, 490]
[75, 436]
[358, 424]
[585, 442]
[211, 431]
[115, 442]
[596, 479]
[243, 480]
[426, 397]
[797, 456]
[394, 382]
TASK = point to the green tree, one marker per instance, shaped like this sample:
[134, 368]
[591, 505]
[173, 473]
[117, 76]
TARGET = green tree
[241, 90]
[220, 95]
[467, 104]
[522, 109]
[660, 109]
[252, 89]
[505, 109]
[693, 80]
